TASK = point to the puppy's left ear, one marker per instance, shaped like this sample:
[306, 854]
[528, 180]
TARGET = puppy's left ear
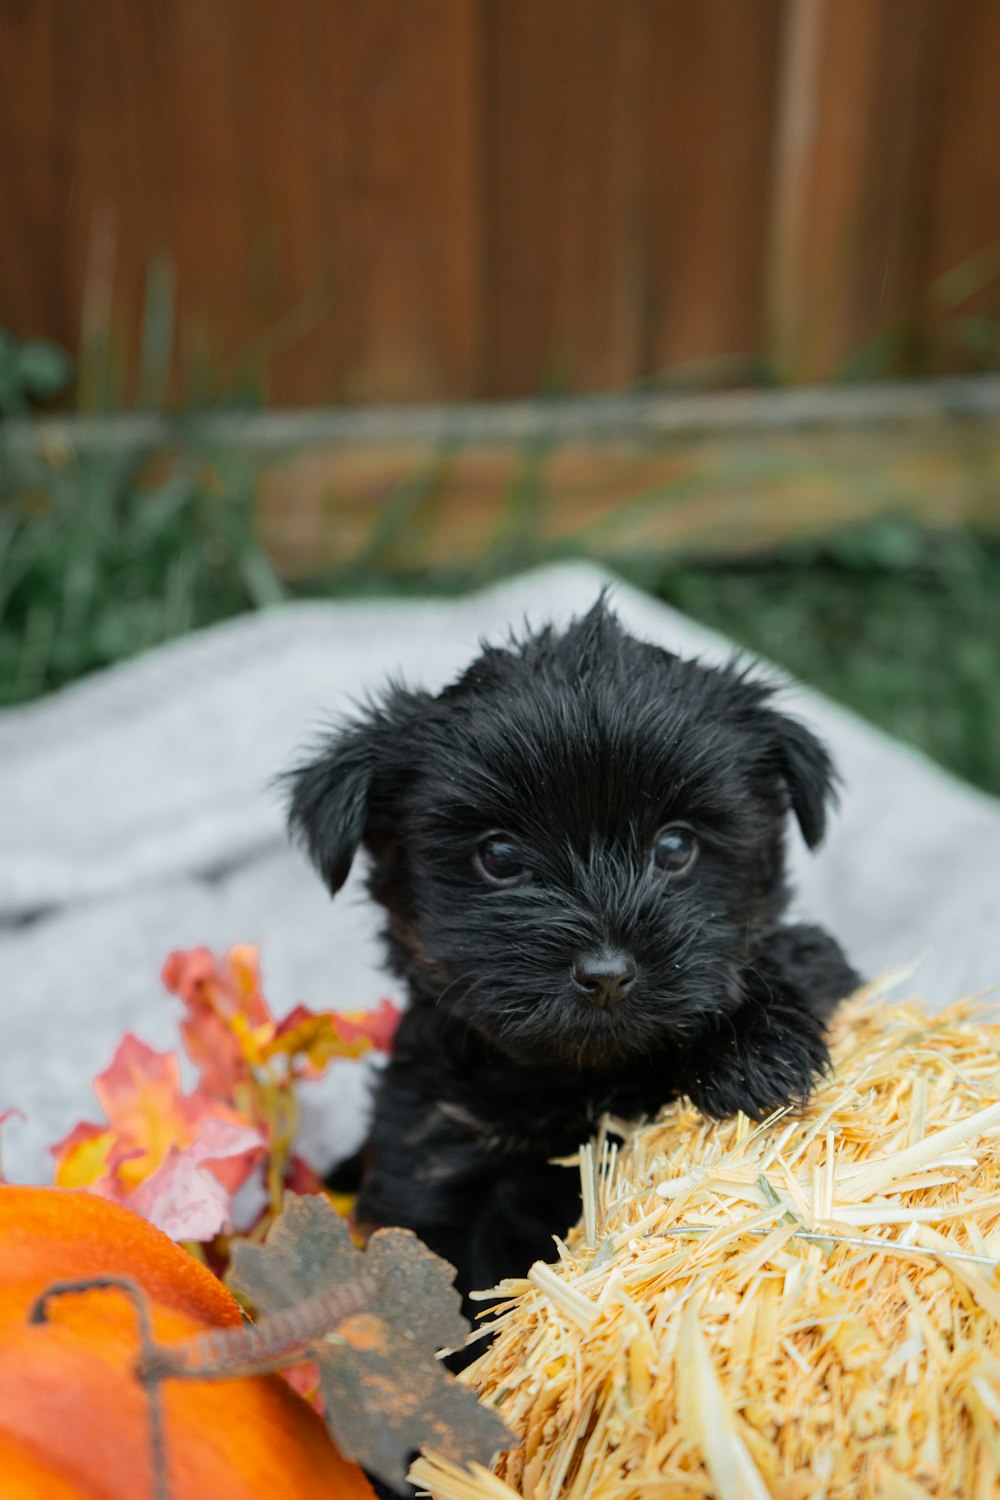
[328, 807]
[349, 792]
[803, 764]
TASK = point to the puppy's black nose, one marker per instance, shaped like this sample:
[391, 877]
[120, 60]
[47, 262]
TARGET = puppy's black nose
[605, 975]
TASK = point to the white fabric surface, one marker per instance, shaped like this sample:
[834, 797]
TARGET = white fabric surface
[137, 815]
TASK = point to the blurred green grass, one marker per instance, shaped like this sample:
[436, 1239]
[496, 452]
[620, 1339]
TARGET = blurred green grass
[107, 553]
[104, 555]
[99, 562]
[901, 626]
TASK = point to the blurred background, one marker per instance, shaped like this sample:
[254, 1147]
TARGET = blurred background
[340, 297]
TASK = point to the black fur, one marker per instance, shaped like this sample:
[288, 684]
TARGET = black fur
[580, 747]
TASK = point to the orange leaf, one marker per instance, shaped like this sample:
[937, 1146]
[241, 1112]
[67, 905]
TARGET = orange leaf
[310, 1036]
[243, 965]
[83, 1157]
[300, 1177]
[378, 1025]
[190, 1195]
[320, 1036]
[148, 1119]
[225, 1012]
[231, 986]
[140, 1093]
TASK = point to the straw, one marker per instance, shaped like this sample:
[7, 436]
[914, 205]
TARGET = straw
[807, 1309]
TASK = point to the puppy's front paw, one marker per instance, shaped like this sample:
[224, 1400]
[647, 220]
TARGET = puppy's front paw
[770, 1052]
[759, 1061]
[802, 965]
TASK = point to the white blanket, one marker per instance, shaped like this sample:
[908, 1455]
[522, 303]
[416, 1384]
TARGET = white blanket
[138, 815]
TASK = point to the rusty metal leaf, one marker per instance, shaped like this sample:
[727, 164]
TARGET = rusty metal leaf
[385, 1393]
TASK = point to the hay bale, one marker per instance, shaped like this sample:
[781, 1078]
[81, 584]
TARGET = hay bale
[806, 1308]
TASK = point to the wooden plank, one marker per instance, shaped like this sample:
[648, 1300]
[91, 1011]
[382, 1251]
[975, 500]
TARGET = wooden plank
[323, 211]
[199, 133]
[712, 90]
[311, 169]
[854, 132]
[65, 133]
[706, 495]
[33, 191]
[960, 262]
[405, 488]
[970, 399]
[292, 63]
[436, 198]
[566, 89]
[113, 198]
[396, 120]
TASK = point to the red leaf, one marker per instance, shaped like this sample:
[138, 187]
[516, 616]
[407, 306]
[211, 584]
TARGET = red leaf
[304, 1379]
[190, 1196]
[216, 1052]
[184, 1200]
[225, 1008]
[140, 1094]
[83, 1157]
[301, 1179]
[229, 1150]
[378, 1025]
[158, 1143]
[230, 987]
[146, 1112]
[315, 1038]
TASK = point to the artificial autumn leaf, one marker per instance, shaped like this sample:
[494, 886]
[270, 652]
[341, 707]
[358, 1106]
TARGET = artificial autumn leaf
[229, 987]
[384, 1392]
[83, 1157]
[304, 1381]
[301, 1178]
[190, 1195]
[141, 1096]
[320, 1036]
[158, 1144]
[183, 1200]
[160, 1149]
[378, 1025]
[225, 1008]
[229, 1031]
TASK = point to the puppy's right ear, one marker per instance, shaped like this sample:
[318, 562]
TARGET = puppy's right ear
[328, 808]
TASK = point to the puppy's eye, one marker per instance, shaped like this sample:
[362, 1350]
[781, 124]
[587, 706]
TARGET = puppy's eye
[675, 849]
[499, 860]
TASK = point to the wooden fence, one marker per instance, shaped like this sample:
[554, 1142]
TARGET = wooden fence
[439, 199]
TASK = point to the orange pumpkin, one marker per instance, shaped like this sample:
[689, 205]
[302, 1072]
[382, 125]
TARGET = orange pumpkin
[74, 1420]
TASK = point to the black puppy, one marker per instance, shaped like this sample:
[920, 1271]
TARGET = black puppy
[580, 848]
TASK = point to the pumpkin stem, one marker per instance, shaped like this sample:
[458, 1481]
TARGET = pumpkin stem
[283, 1338]
[39, 1313]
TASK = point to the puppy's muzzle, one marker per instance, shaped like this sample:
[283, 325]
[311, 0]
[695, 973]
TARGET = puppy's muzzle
[605, 976]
